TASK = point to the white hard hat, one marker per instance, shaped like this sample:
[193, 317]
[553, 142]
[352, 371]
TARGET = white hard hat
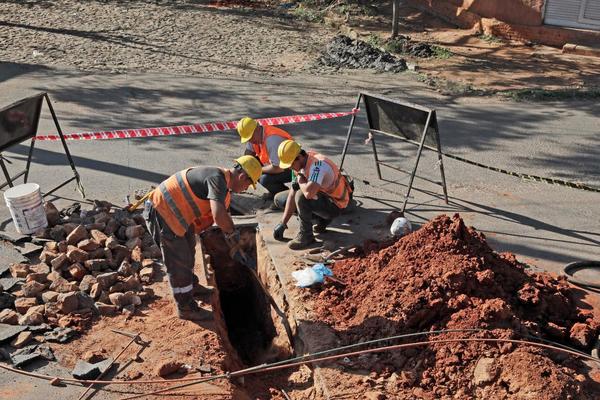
[400, 227]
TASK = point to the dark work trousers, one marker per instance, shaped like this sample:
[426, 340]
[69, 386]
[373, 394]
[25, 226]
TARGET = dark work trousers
[309, 211]
[178, 252]
[276, 183]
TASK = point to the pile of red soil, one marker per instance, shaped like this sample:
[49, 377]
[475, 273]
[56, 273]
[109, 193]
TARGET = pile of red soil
[445, 276]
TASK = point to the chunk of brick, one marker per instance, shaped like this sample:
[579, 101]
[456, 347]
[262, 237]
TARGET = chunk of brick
[63, 246]
[582, 334]
[32, 289]
[147, 275]
[86, 283]
[125, 269]
[51, 246]
[98, 264]
[33, 316]
[47, 256]
[59, 262]
[37, 277]
[68, 302]
[107, 280]
[77, 235]
[88, 244]
[98, 236]
[25, 303]
[77, 255]
[8, 316]
[111, 242]
[40, 268]
[19, 270]
[49, 296]
[77, 271]
[106, 309]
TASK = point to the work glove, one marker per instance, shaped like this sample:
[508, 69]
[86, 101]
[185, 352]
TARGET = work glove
[233, 238]
[236, 252]
[278, 231]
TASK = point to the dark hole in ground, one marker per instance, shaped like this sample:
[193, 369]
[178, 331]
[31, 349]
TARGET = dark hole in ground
[243, 301]
[248, 318]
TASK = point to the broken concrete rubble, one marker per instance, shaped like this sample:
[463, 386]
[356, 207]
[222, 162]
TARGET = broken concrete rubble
[85, 370]
[78, 274]
[7, 332]
[60, 335]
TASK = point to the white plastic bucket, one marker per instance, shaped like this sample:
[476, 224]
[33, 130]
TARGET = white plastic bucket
[26, 207]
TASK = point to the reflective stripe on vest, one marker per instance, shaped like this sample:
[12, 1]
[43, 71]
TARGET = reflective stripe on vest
[261, 149]
[179, 207]
[340, 190]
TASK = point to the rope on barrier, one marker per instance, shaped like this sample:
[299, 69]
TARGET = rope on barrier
[193, 128]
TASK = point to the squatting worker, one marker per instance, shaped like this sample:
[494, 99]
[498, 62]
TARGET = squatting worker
[263, 142]
[319, 192]
[188, 203]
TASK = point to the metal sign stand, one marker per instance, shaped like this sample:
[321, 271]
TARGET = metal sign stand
[25, 173]
[431, 117]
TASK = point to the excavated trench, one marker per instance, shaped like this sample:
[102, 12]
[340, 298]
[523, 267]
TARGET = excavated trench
[249, 327]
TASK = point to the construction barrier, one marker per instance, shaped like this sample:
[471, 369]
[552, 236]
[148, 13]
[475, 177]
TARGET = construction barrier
[194, 128]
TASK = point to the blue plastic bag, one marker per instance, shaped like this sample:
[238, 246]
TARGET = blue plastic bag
[309, 276]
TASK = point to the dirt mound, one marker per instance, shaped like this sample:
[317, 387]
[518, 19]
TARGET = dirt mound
[445, 276]
[343, 52]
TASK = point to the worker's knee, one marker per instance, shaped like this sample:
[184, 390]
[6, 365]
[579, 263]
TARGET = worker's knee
[299, 198]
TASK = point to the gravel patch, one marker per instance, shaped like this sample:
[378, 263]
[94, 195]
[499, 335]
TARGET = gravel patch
[181, 37]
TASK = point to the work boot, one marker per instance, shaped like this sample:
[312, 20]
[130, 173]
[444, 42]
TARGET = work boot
[301, 241]
[188, 309]
[322, 224]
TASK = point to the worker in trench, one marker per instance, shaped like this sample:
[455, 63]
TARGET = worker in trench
[188, 203]
[262, 142]
[319, 193]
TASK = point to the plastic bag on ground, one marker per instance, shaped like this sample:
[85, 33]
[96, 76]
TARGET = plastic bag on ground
[311, 275]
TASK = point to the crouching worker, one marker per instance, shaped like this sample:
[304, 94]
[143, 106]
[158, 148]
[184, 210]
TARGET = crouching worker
[185, 204]
[319, 193]
[263, 142]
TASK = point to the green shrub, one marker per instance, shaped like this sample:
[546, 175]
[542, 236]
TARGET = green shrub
[307, 14]
[441, 52]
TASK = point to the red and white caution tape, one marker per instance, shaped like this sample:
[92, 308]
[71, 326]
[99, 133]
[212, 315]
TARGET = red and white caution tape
[188, 129]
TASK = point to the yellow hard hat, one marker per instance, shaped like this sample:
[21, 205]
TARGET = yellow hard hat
[287, 151]
[251, 167]
[246, 127]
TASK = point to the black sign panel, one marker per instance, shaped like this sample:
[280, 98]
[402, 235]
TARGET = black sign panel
[400, 119]
[19, 121]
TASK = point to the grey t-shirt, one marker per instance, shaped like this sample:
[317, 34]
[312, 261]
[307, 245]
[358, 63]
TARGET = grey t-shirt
[208, 183]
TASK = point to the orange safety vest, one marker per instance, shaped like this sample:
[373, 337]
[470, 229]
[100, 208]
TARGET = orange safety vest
[261, 149]
[179, 207]
[340, 191]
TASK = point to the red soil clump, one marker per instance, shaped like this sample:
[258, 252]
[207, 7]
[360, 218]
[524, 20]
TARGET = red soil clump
[445, 276]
